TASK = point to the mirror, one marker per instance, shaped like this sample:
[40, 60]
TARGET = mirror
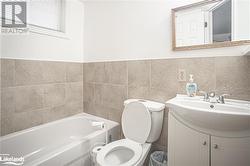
[210, 24]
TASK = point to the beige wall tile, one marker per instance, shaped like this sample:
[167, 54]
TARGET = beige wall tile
[163, 140]
[232, 72]
[52, 114]
[100, 74]
[233, 76]
[39, 72]
[108, 95]
[74, 91]
[161, 95]
[96, 72]
[7, 72]
[139, 92]
[7, 110]
[98, 94]
[54, 87]
[89, 72]
[116, 72]
[62, 111]
[139, 73]
[113, 96]
[6, 125]
[28, 98]
[95, 109]
[74, 107]
[203, 70]
[54, 72]
[54, 95]
[164, 74]
[74, 72]
[28, 72]
[114, 114]
[24, 120]
[158, 80]
[7, 101]
[243, 94]
[64, 89]
[88, 92]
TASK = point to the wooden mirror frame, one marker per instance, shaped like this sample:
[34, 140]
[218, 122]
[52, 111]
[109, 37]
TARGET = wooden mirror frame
[203, 46]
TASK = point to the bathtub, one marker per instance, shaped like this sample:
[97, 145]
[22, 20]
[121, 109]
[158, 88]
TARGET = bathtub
[63, 142]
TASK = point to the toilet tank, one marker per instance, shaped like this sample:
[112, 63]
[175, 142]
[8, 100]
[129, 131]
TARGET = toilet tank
[157, 113]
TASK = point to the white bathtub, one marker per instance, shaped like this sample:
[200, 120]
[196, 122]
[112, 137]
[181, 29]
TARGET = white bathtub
[64, 142]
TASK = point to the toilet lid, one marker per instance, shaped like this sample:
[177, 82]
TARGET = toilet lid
[136, 122]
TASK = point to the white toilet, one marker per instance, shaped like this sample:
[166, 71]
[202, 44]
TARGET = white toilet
[141, 125]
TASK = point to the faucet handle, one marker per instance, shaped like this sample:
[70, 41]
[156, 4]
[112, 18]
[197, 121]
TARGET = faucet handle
[221, 98]
[212, 94]
[205, 94]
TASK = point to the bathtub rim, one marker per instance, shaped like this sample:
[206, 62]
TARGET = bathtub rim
[110, 124]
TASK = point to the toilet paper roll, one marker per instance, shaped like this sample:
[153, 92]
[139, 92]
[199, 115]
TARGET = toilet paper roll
[94, 153]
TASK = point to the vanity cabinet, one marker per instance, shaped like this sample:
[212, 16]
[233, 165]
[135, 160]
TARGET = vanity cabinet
[190, 147]
[230, 151]
[186, 147]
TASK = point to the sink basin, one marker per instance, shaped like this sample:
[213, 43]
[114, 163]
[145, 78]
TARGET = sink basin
[233, 116]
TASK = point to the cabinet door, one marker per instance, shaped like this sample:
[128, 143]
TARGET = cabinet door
[186, 147]
[230, 151]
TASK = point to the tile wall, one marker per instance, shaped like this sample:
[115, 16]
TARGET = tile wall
[108, 84]
[36, 92]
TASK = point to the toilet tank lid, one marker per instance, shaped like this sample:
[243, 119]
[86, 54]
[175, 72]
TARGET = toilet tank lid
[151, 105]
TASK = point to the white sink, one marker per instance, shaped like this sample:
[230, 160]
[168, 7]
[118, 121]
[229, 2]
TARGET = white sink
[233, 116]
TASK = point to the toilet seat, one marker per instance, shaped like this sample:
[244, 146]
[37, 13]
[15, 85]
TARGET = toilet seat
[125, 146]
[136, 127]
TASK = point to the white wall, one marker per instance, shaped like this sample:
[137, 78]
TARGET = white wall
[241, 18]
[135, 29]
[42, 47]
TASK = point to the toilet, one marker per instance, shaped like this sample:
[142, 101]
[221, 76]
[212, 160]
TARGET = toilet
[141, 125]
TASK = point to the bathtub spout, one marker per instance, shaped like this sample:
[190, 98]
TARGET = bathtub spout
[98, 124]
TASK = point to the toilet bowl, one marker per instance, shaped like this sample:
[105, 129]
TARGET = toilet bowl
[141, 125]
[123, 153]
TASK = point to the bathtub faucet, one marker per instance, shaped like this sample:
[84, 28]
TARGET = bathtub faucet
[102, 126]
[98, 124]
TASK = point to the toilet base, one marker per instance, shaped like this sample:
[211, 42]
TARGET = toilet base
[146, 149]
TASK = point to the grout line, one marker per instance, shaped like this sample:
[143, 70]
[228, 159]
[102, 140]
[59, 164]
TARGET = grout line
[150, 74]
[127, 79]
[45, 84]
[101, 83]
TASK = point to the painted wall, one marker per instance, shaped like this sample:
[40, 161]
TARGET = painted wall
[107, 30]
[42, 47]
[241, 26]
[136, 29]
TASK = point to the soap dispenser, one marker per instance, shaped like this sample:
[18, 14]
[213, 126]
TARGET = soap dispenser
[191, 87]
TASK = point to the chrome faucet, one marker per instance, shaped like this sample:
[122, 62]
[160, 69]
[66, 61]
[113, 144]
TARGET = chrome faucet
[212, 94]
[205, 94]
[211, 97]
[221, 98]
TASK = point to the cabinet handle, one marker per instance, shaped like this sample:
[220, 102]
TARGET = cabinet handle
[216, 146]
[204, 143]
